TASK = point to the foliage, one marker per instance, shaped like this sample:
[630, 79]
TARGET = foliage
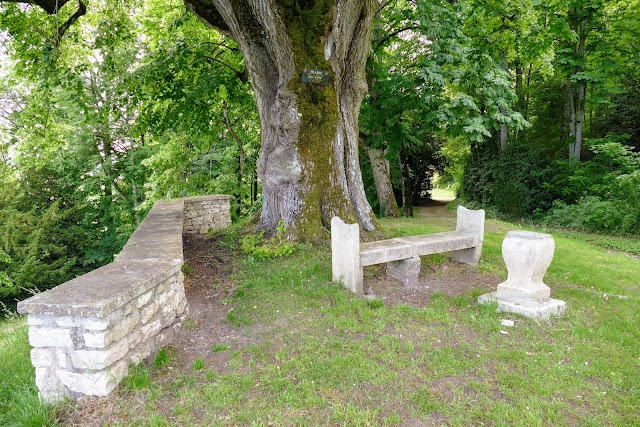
[604, 191]
[514, 182]
[257, 247]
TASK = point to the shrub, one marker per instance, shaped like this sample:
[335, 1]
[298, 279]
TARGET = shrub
[602, 194]
[257, 247]
[514, 182]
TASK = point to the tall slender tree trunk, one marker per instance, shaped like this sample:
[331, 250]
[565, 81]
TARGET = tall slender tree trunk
[382, 180]
[578, 91]
[308, 160]
[504, 129]
[407, 183]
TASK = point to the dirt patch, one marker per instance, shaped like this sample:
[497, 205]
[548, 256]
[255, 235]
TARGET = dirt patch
[449, 278]
[210, 282]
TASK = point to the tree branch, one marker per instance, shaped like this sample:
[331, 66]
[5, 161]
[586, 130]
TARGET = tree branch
[208, 13]
[50, 6]
[82, 9]
[393, 34]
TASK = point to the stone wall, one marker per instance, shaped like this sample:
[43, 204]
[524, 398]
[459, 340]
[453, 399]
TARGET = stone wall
[86, 332]
[202, 213]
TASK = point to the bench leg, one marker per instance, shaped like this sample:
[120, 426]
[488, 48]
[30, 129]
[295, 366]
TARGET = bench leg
[468, 256]
[406, 271]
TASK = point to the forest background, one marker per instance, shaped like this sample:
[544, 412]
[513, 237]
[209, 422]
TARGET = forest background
[529, 109]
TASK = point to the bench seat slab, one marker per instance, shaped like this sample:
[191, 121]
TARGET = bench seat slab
[441, 242]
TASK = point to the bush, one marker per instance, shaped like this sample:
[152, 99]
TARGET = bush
[602, 194]
[514, 182]
[256, 246]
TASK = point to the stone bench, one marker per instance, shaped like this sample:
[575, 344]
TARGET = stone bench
[86, 332]
[402, 254]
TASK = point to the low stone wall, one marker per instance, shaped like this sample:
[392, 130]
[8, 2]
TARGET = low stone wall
[86, 332]
[202, 213]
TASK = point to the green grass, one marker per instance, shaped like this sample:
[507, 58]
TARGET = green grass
[317, 355]
[19, 403]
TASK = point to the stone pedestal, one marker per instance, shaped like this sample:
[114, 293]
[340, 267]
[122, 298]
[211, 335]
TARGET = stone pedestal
[527, 256]
[405, 270]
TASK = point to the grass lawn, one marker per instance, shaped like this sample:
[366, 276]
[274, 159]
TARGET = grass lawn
[313, 354]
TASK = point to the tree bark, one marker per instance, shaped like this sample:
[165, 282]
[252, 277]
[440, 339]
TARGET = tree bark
[308, 160]
[504, 129]
[578, 89]
[382, 180]
[407, 183]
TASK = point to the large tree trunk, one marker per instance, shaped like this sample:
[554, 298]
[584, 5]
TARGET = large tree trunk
[309, 154]
[382, 180]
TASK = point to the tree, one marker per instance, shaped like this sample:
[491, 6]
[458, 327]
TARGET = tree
[308, 160]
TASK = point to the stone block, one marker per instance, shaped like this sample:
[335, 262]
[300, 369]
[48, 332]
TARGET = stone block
[134, 338]
[102, 339]
[35, 320]
[385, 251]
[99, 359]
[528, 307]
[50, 337]
[99, 383]
[144, 299]
[406, 271]
[148, 312]
[96, 324]
[42, 357]
[50, 388]
[67, 321]
[150, 329]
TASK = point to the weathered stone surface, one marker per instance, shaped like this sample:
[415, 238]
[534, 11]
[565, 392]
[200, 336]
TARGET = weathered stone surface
[101, 291]
[149, 311]
[527, 256]
[406, 271]
[120, 329]
[50, 337]
[345, 255]
[465, 243]
[99, 359]
[539, 310]
[203, 213]
[41, 357]
[440, 242]
[469, 222]
[50, 388]
[36, 320]
[143, 299]
[99, 383]
[384, 251]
